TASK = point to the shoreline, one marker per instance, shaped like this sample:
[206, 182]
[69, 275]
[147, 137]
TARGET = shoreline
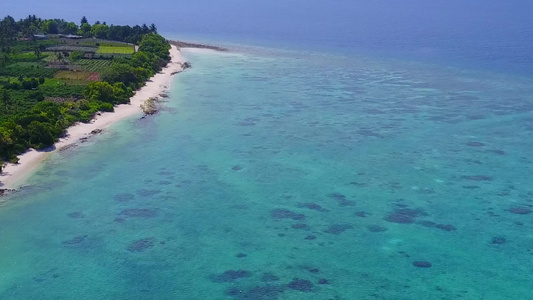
[13, 175]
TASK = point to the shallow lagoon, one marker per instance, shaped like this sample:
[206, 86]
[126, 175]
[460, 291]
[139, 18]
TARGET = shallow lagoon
[289, 175]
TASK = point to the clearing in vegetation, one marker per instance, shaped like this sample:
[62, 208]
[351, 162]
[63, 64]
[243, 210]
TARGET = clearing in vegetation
[76, 77]
[115, 50]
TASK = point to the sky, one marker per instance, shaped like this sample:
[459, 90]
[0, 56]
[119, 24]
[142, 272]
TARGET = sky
[491, 29]
[292, 16]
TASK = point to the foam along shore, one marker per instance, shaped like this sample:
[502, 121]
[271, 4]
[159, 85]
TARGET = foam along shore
[13, 175]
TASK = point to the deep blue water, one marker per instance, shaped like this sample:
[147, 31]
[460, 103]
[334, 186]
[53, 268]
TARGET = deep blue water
[342, 150]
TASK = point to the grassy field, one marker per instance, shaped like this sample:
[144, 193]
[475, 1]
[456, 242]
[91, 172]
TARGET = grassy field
[115, 50]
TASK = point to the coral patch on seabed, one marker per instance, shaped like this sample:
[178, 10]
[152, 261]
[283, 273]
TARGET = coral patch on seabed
[520, 210]
[302, 285]
[267, 277]
[498, 240]
[231, 275]
[139, 213]
[286, 214]
[422, 264]
[141, 245]
[427, 223]
[267, 292]
[477, 177]
[124, 197]
[74, 240]
[338, 228]
[361, 214]
[300, 226]
[147, 193]
[313, 206]
[404, 215]
[475, 144]
[446, 227]
[342, 200]
[76, 215]
[376, 228]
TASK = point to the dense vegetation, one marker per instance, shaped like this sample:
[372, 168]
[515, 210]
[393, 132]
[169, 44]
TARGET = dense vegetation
[54, 73]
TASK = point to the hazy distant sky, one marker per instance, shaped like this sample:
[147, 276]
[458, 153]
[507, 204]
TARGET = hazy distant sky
[289, 15]
[489, 30]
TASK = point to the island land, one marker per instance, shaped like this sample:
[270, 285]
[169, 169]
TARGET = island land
[13, 175]
[61, 83]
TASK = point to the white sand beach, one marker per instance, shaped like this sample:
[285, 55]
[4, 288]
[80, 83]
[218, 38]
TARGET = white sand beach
[13, 175]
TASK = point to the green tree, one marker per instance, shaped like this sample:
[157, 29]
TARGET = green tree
[99, 90]
[6, 98]
[37, 51]
[156, 44]
[41, 135]
[8, 33]
[50, 26]
[121, 93]
[70, 28]
[85, 30]
[100, 31]
[121, 73]
[84, 20]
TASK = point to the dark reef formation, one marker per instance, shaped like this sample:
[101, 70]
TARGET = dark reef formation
[76, 215]
[477, 177]
[147, 193]
[475, 144]
[138, 213]
[422, 264]
[302, 285]
[338, 228]
[376, 228]
[280, 213]
[520, 210]
[141, 245]
[300, 226]
[498, 240]
[268, 277]
[267, 292]
[404, 215]
[75, 240]
[313, 206]
[361, 214]
[230, 276]
[342, 200]
[124, 197]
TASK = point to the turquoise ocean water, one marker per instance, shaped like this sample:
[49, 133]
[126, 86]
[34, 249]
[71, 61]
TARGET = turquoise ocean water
[289, 175]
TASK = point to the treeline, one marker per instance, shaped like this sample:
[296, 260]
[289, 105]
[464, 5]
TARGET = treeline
[29, 121]
[30, 26]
